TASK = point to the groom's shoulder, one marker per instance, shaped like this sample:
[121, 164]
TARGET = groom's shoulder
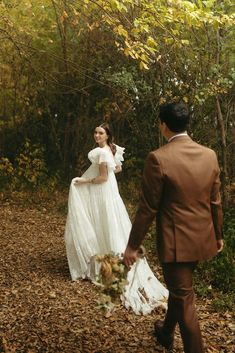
[167, 149]
[205, 149]
[158, 153]
[161, 150]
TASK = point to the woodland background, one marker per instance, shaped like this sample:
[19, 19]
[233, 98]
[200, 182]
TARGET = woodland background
[68, 65]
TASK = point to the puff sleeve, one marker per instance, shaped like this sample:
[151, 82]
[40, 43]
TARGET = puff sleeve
[119, 155]
[102, 157]
[99, 155]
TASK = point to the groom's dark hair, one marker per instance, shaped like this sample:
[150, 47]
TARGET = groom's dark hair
[175, 116]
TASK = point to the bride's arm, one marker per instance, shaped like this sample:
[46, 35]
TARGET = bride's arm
[103, 177]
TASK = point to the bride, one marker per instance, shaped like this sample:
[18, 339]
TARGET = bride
[98, 223]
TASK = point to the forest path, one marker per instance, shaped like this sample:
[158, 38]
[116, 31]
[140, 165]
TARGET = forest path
[42, 310]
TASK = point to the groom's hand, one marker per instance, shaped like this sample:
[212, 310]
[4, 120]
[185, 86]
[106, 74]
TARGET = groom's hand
[130, 256]
[220, 244]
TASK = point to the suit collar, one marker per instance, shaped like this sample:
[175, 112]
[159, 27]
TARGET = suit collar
[177, 136]
[180, 138]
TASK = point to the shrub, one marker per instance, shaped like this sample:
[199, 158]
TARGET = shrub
[28, 171]
[6, 172]
[31, 170]
[220, 271]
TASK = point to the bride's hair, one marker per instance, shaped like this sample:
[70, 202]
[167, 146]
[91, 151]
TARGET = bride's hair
[110, 140]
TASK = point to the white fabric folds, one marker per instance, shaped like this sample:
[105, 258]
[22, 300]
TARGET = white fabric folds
[98, 223]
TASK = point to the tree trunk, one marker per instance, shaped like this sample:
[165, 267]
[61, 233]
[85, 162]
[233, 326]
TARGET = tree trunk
[221, 125]
[224, 161]
[62, 29]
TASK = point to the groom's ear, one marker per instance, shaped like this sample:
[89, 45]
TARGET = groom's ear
[165, 131]
[163, 127]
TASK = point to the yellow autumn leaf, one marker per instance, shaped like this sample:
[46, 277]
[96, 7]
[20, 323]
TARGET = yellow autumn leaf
[143, 66]
[127, 51]
[162, 100]
[143, 57]
[120, 30]
[185, 41]
[65, 15]
[151, 42]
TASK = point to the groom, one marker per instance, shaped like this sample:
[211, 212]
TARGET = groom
[180, 188]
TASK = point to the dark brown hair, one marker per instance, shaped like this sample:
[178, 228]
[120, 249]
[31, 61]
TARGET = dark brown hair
[110, 140]
[175, 116]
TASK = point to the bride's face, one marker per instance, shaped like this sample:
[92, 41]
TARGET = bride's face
[100, 136]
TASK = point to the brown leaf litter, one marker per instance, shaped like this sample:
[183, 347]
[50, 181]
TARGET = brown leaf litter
[42, 310]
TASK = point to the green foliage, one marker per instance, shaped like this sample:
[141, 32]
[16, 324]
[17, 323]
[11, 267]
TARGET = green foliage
[224, 302]
[129, 81]
[219, 273]
[6, 172]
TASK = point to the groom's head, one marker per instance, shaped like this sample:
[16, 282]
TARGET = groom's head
[174, 116]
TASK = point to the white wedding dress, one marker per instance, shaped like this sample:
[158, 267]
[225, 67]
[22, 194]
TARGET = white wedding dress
[98, 223]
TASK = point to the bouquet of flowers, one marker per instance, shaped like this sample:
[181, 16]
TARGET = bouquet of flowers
[112, 279]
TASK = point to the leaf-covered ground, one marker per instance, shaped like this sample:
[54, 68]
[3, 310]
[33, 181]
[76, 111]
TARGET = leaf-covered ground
[43, 311]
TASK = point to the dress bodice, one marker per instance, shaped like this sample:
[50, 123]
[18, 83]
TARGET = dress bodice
[101, 155]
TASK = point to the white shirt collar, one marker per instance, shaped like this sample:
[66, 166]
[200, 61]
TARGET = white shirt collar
[177, 135]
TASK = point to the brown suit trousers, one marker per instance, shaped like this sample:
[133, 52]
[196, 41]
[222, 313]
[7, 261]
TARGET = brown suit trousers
[181, 305]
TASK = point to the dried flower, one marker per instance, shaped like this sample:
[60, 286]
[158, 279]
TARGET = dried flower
[112, 279]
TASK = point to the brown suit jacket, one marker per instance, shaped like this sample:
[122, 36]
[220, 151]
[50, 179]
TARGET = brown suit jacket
[180, 187]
